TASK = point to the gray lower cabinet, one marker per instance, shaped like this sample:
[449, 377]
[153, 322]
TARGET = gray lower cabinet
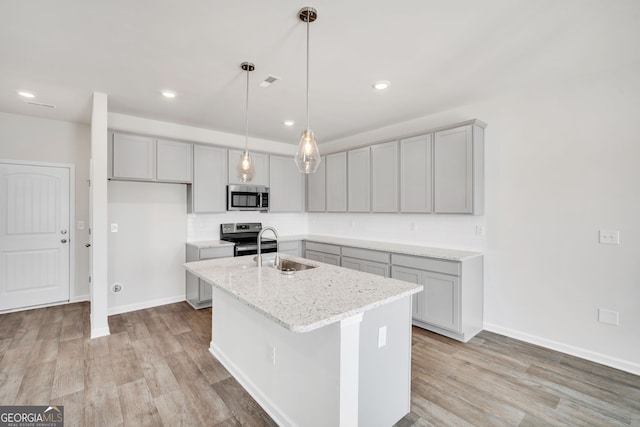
[198, 292]
[322, 252]
[365, 260]
[293, 247]
[451, 303]
[208, 192]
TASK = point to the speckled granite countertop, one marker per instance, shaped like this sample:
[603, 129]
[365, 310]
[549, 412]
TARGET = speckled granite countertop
[306, 300]
[398, 248]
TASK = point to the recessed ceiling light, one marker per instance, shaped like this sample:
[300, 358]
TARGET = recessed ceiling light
[168, 94]
[26, 94]
[289, 123]
[381, 85]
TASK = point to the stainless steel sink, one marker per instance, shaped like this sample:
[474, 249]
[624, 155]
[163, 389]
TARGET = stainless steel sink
[286, 266]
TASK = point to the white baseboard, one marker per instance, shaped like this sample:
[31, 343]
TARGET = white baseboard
[603, 359]
[80, 298]
[269, 407]
[146, 304]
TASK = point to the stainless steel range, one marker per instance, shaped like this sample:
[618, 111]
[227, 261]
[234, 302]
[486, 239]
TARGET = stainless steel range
[245, 237]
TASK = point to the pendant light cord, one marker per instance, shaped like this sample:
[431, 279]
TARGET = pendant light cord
[246, 116]
[308, 19]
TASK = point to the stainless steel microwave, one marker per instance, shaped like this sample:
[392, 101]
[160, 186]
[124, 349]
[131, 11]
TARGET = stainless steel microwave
[247, 198]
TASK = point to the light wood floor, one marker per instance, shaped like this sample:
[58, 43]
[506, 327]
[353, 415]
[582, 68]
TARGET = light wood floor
[155, 369]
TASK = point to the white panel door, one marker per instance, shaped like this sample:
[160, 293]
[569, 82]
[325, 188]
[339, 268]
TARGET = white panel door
[34, 235]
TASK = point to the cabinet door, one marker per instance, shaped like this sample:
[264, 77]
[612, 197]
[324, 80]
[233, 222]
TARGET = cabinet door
[415, 174]
[411, 275]
[337, 182]
[174, 161]
[133, 157]
[352, 263]
[453, 170]
[316, 189]
[285, 185]
[359, 180]
[313, 255]
[260, 164]
[442, 300]
[384, 177]
[209, 191]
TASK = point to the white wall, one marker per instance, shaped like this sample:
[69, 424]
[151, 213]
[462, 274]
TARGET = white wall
[147, 253]
[561, 164]
[52, 141]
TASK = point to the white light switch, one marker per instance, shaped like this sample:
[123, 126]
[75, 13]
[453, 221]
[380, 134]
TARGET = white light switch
[114, 228]
[80, 225]
[382, 336]
[610, 237]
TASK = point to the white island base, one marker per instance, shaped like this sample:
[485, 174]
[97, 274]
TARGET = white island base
[354, 372]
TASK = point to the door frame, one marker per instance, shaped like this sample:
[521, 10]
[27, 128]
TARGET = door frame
[72, 225]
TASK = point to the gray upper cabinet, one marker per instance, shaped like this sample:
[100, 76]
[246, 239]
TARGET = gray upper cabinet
[174, 160]
[384, 177]
[336, 171]
[144, 158]
[208, 191]
[316, 188]
[133, 157]
[359, 180]
[458, 171]
[260, 163]
[286, 185]
[416, 174]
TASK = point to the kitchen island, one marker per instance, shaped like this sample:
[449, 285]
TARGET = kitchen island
[325, 346]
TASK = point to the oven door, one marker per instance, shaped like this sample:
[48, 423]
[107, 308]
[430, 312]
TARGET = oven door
[252, 249]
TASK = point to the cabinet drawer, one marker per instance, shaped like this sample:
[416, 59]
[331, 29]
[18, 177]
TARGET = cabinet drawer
[430, 264]
[221, 252]
[366, 254]
[323, 247]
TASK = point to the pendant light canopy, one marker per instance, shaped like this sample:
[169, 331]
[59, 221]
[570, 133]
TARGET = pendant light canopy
[308, 156]
[246, 170]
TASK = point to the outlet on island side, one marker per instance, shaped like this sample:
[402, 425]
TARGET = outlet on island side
[117, 287]
[609, 237]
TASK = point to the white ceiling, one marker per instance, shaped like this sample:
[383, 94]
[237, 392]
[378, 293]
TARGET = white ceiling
[437, 54]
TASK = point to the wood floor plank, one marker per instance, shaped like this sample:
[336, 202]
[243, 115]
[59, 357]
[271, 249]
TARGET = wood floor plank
[242, 405]
[155, 369]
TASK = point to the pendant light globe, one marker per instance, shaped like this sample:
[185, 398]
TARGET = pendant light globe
[246, 171]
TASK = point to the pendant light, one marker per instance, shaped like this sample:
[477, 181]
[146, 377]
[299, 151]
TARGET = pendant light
[245, 167]
[308, 156]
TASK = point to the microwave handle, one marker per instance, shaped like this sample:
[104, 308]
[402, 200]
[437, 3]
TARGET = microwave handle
[260, 200]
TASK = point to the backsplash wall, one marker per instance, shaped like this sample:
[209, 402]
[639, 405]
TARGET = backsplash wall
[207, 226]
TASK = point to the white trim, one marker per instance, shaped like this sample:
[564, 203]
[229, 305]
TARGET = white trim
[146, 304]
[603, 359]
[265, 403]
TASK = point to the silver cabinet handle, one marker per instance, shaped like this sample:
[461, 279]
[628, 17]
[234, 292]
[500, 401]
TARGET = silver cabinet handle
[64, 240]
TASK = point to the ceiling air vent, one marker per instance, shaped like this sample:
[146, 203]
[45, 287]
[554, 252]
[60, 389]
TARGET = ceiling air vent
[39, 104]
[268, 81]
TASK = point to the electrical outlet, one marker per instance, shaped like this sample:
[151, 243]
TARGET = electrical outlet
[414, 226]
[114, 228]
[480, 230]
[609, 317]
[272, 354]
[382, 336]
[117, 287]
[610, 237]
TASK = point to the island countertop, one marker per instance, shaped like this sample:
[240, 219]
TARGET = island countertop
[306, 300]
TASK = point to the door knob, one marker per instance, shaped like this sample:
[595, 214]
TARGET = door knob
[64, 240]
[63, 231]
[87, 245]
